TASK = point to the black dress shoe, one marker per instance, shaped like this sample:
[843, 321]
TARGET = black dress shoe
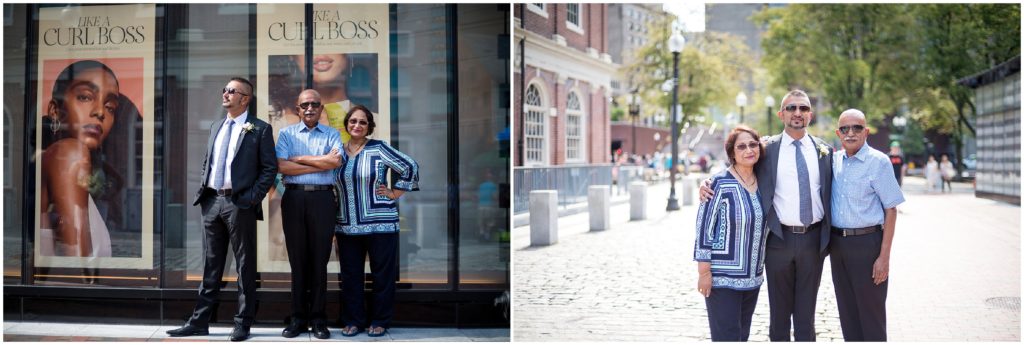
[240, 333]
[320, 330]
[188, 330]
[294, 329]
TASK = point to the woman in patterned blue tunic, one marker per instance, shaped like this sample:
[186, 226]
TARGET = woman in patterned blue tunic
[368, 222]
[730, 241]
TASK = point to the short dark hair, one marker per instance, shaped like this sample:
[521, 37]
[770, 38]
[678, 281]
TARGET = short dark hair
[730, 142]
[369, 118]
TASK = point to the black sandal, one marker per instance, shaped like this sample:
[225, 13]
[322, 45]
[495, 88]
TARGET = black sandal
[376, 331]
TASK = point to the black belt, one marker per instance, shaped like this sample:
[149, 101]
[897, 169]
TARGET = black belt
[801, 229]
[220, 192]
[857, 231]
[307, 187]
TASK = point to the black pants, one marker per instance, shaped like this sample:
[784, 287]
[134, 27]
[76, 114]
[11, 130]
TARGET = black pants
[861, 303]
[793, 269]
[223, 222]
[729, 313]
[308, 221]
[382, 249]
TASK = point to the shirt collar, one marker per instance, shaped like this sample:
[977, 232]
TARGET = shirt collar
[861, 154]
[241, 119]
[318, 127]
[804, 142]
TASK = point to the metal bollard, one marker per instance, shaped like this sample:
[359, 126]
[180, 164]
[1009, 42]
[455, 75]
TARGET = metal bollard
[599, 206]
[638, 201]
[689, 184]
[543, 217]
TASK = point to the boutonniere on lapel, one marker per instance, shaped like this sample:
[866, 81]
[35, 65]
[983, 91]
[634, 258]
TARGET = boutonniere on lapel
[248, 127]
[822, 150]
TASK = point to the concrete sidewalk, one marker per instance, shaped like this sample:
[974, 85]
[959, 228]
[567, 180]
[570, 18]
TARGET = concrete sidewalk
[955, 276]
[51, 331]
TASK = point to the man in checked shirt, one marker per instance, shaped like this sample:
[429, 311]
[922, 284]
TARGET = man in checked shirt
[864, 199]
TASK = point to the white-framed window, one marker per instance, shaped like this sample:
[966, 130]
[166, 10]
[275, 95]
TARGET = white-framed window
[539, 9]
[534, 129]
[574, 17]
[574, 129]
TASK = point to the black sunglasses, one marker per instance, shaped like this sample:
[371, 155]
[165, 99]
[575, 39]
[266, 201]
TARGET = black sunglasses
[744, 147]
[231, 91]
[305, 105]
[856, 129]
[793, 107]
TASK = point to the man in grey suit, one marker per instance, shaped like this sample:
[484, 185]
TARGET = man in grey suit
[239, 167]
[795, 191]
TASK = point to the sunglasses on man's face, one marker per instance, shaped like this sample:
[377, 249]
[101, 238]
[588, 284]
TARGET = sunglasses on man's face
[306, 105]
[793, 107]
[856, 129]
[231, 91]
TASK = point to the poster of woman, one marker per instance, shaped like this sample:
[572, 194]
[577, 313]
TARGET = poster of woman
[94, 138]
[350, 46]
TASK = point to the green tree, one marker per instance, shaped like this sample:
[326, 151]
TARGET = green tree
[712, 68]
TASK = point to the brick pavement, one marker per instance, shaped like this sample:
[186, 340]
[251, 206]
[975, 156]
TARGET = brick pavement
[636, 281]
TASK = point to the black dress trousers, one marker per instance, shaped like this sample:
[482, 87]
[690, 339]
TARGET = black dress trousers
[308, 219]
[225, 223]
[382, 249]
[793, 270]
[861, 303]
[730, 312]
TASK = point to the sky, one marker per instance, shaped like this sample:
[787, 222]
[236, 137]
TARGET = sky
[691, 14]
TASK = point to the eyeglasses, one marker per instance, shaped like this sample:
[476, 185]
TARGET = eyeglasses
[231, 91]
[357, 122]
[306, 105]
[856, 129]
[794, 107]
[744, 147]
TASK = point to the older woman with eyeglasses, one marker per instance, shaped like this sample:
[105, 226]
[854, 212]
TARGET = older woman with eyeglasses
[730, 240]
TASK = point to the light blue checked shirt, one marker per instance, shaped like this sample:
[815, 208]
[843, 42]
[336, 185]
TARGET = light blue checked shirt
[299, 140]
[862, 188]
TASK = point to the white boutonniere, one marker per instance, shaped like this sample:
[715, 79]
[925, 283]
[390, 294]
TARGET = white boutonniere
[822, 150]
[248, 127]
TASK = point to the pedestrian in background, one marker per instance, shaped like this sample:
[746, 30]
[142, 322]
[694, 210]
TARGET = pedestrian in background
[730, 241]
[946, 167]
[932, 174]
[864, 199]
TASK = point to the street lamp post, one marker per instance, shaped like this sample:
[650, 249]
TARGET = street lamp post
[769, 102]
[675, 44]
[634, 113]
[741, 101]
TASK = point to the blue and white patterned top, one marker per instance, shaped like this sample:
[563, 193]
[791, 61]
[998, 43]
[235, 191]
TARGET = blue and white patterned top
[362, 211]
[862, 187]
[299, 140]
[731, 234]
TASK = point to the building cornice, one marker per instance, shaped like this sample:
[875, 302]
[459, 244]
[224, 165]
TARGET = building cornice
[548, 55]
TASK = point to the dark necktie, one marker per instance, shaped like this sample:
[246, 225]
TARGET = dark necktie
[222, 152]
[806, 214]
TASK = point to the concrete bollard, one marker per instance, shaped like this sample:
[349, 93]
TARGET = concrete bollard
[689, 184]
[543, 217]
[638, 201]
[599, 205]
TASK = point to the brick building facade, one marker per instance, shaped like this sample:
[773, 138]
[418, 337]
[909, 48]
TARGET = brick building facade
[563, 70]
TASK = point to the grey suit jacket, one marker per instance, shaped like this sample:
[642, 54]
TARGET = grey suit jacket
[766, 169]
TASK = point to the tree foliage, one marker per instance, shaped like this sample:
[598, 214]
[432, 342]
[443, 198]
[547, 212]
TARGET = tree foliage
[712, 67]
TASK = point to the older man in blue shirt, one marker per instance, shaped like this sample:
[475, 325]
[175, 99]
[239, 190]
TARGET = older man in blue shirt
[308, 154]
[864, 198]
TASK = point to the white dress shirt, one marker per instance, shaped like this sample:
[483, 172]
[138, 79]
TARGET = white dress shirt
[787, 182]
[235, 134]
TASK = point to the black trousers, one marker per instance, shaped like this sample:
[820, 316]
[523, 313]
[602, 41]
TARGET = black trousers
[730, 312]
[382, 249]
[225, 223]
[308, 220]
[793, 269]
[861, 303]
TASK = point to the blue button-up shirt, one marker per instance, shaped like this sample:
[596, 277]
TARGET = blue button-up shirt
[299, 140]
[863, 186]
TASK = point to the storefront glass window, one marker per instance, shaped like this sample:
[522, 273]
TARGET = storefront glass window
[15, 41]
